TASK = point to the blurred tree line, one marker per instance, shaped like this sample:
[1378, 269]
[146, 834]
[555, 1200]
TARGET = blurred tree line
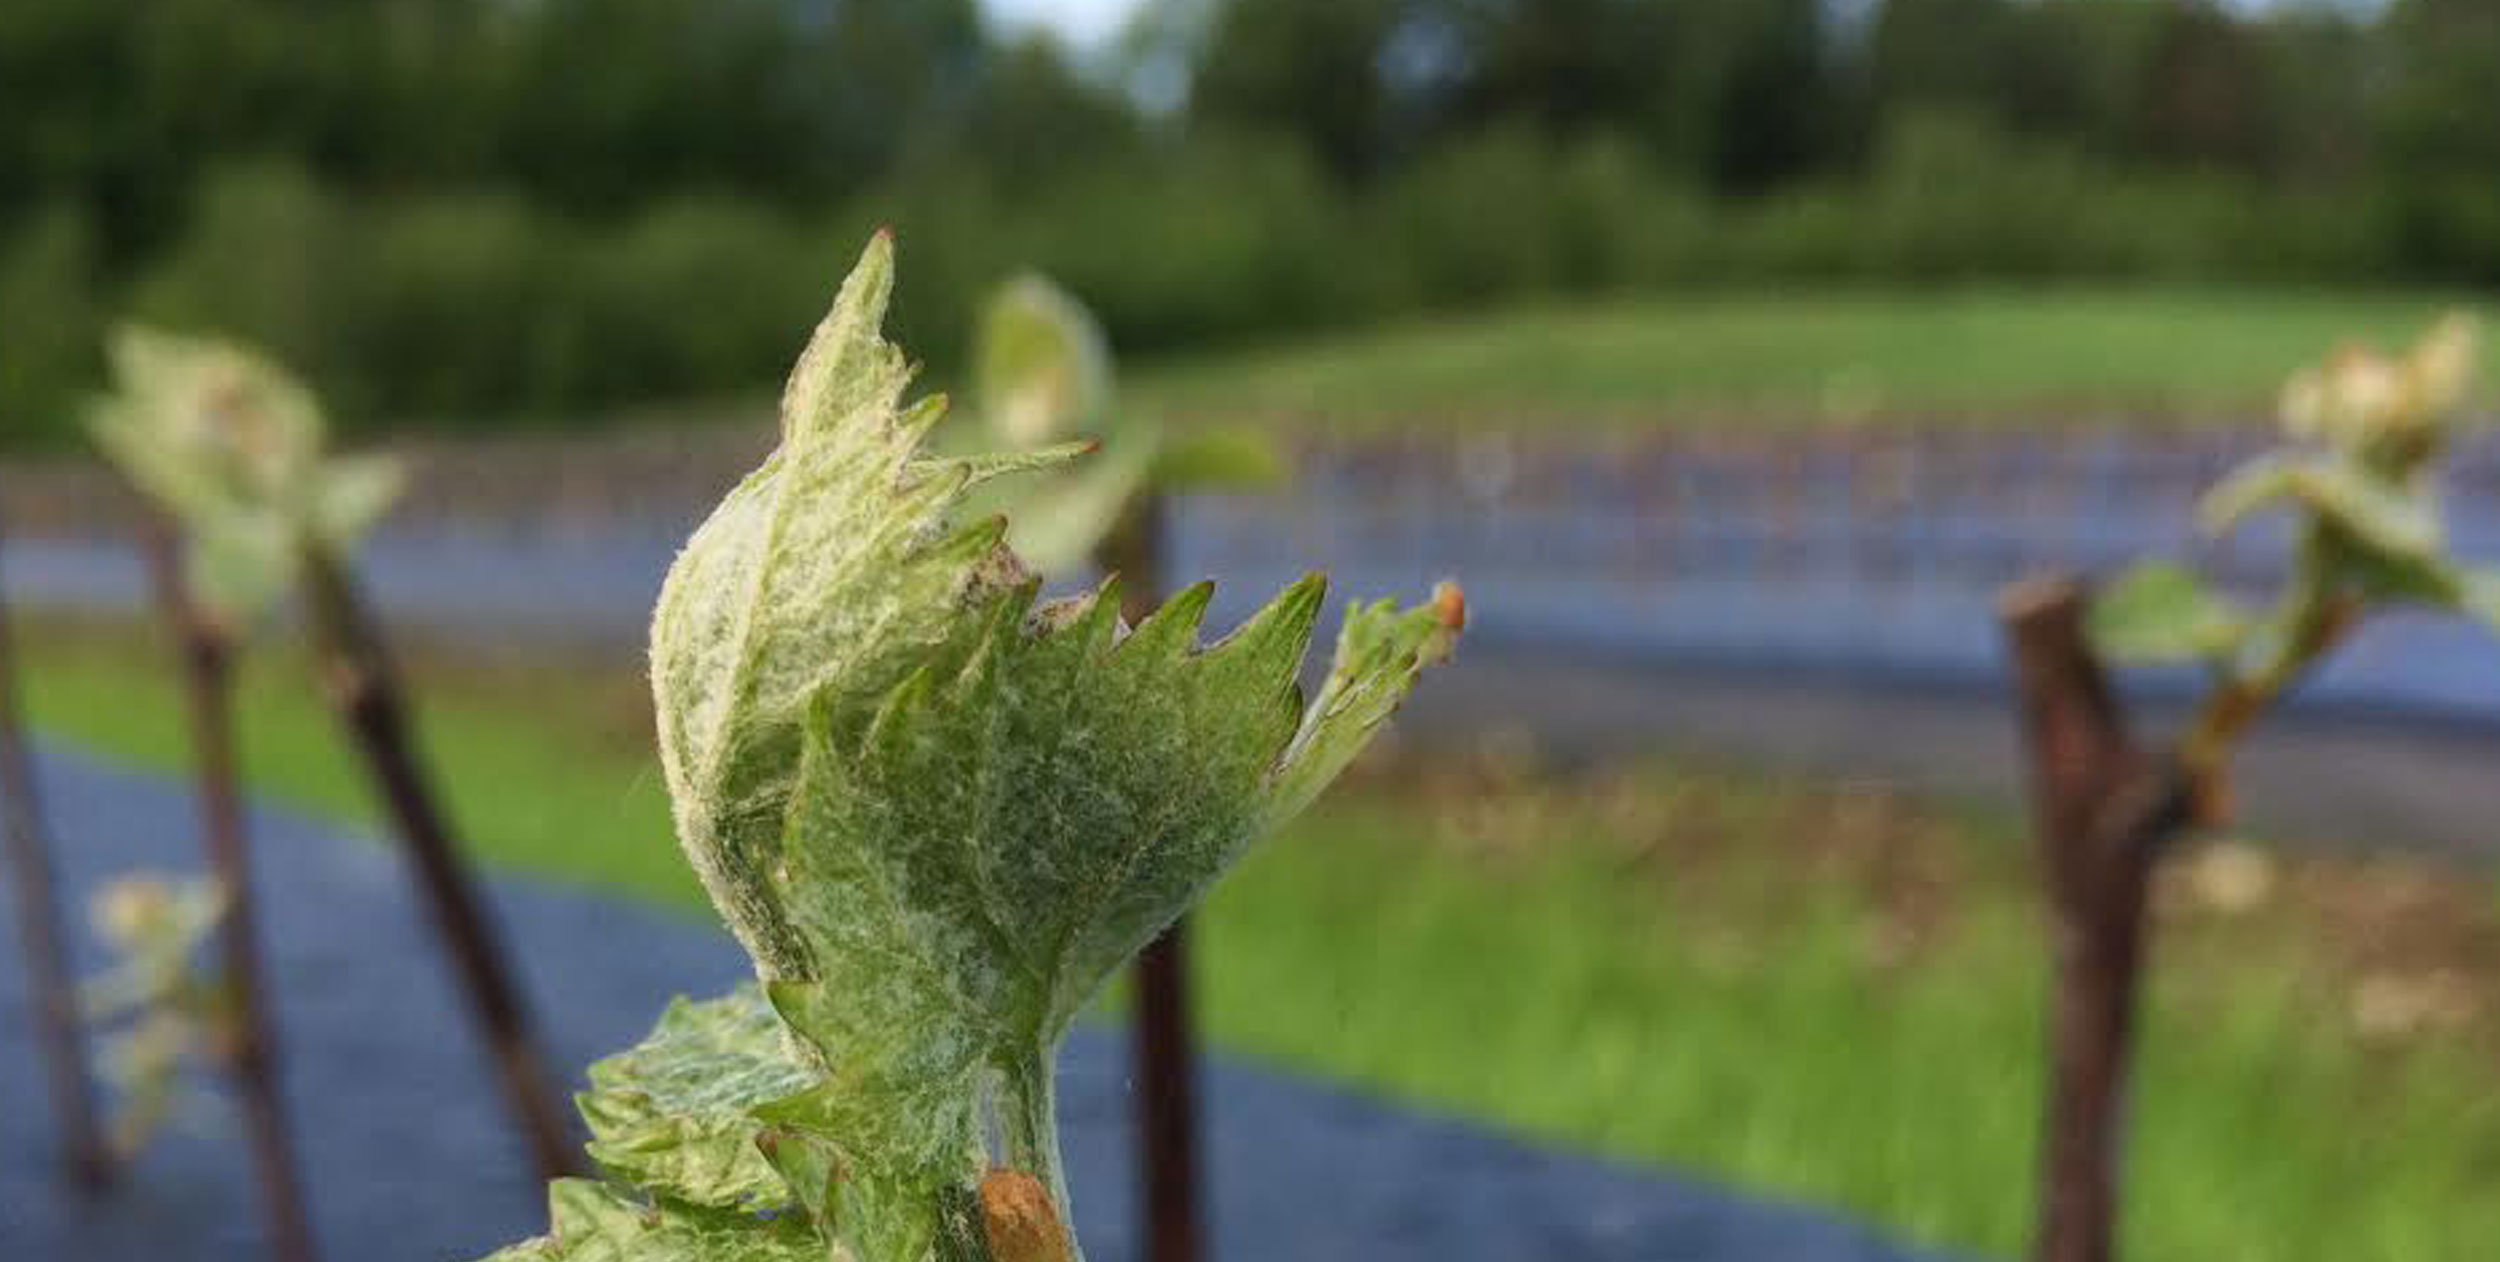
[472, 209]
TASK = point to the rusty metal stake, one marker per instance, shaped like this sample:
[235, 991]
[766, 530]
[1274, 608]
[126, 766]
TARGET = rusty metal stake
[2104, 811]
[206, 655]
[50, 992]
[1163, 1051]
[365, 691]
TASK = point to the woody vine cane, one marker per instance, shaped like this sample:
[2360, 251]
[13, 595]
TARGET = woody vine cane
[204, 648]
[1162, 1038]
[50, 994]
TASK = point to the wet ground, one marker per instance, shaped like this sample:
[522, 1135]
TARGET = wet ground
[407, 1157]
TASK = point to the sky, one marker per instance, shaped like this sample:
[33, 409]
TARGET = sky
[1080, 21]
[1089, 22]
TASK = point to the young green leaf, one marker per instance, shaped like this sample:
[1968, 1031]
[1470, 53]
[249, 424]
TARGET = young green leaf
[2391, 516]
[595, 1222]
[2160, 612]
[1381, 651]
[2368, 429]
[160, 1011]
[823, 579]
[675, 1115]
[938, 817]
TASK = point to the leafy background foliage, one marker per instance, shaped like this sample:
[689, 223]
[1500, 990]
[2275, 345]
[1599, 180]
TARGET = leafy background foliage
[466, 210]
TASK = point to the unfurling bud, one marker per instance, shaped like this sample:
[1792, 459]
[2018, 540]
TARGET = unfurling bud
[2393, 412]
[1018, 1220]
[1044, 367]
[230, 447]
[941, 818]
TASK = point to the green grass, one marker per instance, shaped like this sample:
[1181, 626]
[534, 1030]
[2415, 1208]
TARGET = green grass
[1765, 1047]
[1987, 354]
[1756, 980]
[545, 768]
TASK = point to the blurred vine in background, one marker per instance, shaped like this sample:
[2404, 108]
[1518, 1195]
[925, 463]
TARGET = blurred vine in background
[1043, 374]
[157, 1010]
[2359, 472]
[2360, 468]
[231, 449]
[232, 452]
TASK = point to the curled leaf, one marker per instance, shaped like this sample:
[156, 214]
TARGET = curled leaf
[822, 580]
[1381, 651]
[1044, 374]
[595, 1222]
[1043, 366]
[675, 1114]
[938, 816]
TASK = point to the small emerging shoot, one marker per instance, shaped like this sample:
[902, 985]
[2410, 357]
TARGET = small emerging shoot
[1043, 375]
[2359, 472]
[231, 448]
[157, 1009]
[2365, 433]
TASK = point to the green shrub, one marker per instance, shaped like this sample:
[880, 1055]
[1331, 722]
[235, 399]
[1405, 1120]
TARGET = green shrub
[1475, 221]
[1815, 232]
[2446, 227]
[264, 260]
[1620, 226]
[1954, 198]
[50, 318]
[1951, 197]
[1509, 215]
[1238, 237]
[466, 306]
[696, 297]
